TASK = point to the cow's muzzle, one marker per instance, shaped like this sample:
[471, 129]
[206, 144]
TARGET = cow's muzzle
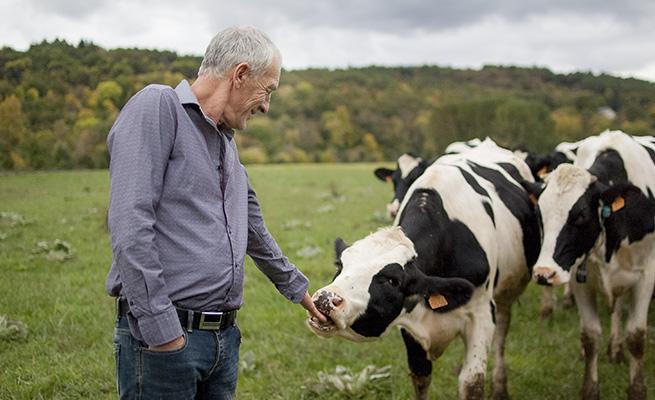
[327, 303]
[549, 277]
[392, 208]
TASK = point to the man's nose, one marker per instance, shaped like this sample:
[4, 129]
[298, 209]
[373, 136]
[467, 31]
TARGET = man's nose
[263, 108]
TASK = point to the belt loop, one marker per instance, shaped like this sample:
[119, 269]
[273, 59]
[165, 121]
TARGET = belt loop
[189, 321]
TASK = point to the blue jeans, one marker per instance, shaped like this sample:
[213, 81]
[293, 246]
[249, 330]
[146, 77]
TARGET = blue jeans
[206, 367]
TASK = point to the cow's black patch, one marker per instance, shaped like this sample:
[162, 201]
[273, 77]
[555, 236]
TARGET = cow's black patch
[609, 168]
[581, 230]
[518, 202]
[511, 170]
[445, 247]
[385, 303]
[481, 191]
[634, 221]
[417, 357]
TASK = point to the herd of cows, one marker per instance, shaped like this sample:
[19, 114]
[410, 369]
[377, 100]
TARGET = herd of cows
[474, 226]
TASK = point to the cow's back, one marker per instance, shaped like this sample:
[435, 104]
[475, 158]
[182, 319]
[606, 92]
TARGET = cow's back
[480, 188]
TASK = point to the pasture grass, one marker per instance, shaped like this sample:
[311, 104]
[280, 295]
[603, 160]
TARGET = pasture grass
[68, 352]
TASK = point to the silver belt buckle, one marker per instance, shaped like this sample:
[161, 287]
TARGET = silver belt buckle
[210, 325]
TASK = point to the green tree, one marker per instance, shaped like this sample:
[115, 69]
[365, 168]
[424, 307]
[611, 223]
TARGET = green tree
[519, 122]
[12, 129]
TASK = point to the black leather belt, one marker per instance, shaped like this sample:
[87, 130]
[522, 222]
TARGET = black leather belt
[189, 319]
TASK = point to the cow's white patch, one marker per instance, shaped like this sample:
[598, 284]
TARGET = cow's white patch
[361, 262]
[407, 163]
[564, 187]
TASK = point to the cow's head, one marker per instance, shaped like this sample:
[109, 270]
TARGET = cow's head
[409, 168]
[376, 282]
[574, 207]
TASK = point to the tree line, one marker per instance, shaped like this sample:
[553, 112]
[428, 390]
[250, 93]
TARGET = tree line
[58, 102]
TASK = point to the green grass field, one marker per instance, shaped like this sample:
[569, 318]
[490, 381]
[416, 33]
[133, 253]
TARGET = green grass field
[55, 253]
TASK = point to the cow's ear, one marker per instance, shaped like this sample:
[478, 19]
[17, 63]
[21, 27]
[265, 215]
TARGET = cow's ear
[534, 190]
[441, 294]
[339, 247]
[384, 174]
[614, 198]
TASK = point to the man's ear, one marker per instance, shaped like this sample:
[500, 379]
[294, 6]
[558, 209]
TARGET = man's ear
[441, 294]
[384, 174]
[240, 73]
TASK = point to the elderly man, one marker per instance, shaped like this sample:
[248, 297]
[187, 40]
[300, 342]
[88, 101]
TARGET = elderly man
[182, 217]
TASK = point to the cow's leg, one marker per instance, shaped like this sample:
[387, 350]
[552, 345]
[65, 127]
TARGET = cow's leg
[614, 347]
[477, 343]
[420, 368]
[567, 298]
[590, 336]
[546, 303]
[499, 372]
[635, 336]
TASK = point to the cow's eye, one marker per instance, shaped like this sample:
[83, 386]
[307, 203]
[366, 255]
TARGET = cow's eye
[393, 281]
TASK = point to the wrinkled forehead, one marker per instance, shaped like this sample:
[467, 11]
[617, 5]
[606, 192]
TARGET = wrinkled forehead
[564, 187]
[370, 254]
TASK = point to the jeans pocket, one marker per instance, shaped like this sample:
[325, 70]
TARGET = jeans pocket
[180, 349]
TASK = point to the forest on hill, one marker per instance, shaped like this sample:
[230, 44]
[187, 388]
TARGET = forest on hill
[59, 100]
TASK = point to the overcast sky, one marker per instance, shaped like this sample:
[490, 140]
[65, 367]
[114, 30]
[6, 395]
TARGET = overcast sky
[616, 37]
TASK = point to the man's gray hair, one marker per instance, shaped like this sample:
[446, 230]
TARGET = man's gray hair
[239, 44]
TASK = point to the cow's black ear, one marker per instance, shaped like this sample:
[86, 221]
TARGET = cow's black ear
[614, 197]
[534, 189]
[441, 294]
[339, 247]
[384, 174]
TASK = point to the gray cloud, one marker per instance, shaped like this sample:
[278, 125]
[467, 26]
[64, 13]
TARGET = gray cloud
[563, 35]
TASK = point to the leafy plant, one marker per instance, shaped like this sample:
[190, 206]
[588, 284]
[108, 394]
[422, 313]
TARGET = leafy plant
[14, 219]
[58, 251]
[12, 330]
[343, 380]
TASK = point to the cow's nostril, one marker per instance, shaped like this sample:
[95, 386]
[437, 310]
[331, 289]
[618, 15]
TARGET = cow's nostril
[542, 280]
[326, 301]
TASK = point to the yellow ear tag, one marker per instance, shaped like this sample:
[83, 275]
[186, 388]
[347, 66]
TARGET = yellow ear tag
[388, 179]
[542, 172]
[437, 301]
[618, 204]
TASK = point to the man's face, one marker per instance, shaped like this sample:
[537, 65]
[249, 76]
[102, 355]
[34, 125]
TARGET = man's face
[251, 96]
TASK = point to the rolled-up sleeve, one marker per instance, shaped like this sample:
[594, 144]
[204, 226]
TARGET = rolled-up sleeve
[268, 257]
[139, 144]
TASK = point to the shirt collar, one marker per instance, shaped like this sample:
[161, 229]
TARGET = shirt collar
[186, 96]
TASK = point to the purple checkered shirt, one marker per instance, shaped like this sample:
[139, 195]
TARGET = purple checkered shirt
[177, 237]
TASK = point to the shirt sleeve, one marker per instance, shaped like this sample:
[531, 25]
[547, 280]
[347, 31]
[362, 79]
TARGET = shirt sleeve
[140, 143]
[268, 257]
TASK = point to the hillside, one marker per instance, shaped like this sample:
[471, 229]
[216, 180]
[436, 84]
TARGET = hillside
[58, 102]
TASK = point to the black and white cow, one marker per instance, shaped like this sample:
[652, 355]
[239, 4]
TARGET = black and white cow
[542, 165]
[456, 259]
[409, 167]
[598, 218]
